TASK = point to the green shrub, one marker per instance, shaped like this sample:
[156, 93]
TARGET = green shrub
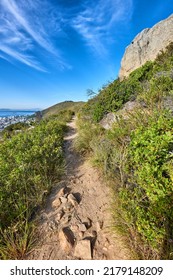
[29, 163]
[87, 132]
[147, 194]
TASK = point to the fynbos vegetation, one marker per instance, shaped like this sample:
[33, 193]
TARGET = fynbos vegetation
[136, 153]
[30, 162]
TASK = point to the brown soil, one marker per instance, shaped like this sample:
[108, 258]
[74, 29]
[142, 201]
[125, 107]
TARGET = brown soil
[64, 223]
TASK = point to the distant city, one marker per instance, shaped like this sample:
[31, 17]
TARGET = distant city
[19, 110]
[11, 116]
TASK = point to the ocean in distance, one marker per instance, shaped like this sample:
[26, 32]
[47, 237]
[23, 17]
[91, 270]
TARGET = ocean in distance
[11, 113]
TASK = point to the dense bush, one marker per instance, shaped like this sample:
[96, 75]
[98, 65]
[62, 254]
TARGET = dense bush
[87, 132]
[147, 193]
[13, 128]
[29, 163]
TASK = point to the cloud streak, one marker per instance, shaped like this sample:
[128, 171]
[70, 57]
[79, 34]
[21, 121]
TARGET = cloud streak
[98, 18]
[25, 28]
[30, 30]
[28, 60]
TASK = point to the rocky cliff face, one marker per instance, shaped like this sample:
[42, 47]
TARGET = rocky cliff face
[146, 46]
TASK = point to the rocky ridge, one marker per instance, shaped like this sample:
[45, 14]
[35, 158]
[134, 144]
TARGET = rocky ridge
[146, 46]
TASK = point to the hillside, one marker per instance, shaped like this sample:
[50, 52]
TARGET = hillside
[66, 105]
[135, 153]
[152, 76]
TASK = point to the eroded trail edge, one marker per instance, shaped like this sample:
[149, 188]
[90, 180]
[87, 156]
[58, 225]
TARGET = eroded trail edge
[76, 222]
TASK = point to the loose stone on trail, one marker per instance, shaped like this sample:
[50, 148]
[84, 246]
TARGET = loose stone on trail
[83, 250]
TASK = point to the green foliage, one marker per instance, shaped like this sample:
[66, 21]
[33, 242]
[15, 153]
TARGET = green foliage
[157, 89]
[17, 126]
[147, 194]
[29, 163]
[137, 153]
[13, 128]
[87, 132]
[143, 73]
[16, 241]
[164, 61]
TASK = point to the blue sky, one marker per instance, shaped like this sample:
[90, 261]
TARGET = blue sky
[54, 50]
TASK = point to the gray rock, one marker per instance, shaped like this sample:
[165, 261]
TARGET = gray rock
[108, 120]
[168, 103]
[111, 118]
[146, 46]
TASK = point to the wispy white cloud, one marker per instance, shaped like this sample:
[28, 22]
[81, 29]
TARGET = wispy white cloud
[30, 30]
[5, 58]
[25, 28]
[28, 60]
[98, 18]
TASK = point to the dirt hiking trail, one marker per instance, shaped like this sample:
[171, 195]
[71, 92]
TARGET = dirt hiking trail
[76, 221]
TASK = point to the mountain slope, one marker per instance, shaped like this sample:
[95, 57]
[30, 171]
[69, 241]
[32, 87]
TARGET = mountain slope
[136, 153]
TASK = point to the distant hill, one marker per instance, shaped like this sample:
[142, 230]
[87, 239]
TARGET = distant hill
[66, 105]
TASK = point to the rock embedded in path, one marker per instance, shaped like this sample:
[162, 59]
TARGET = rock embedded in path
[83, 250]
[62, 192]
[56, 203]
[87, 222]
[52, 225]
[82, 227]
[65, 219]
[63, 199]
[72, 200]
[59, 215]
[99, 225]
[74, 228]
[66, 239]
[90, 233]
[68, 207]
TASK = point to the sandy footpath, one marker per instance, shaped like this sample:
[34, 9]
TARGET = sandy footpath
[76, 221]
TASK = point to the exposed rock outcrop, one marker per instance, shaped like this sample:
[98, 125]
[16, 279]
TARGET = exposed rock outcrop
[109, 119]
[146, 46]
